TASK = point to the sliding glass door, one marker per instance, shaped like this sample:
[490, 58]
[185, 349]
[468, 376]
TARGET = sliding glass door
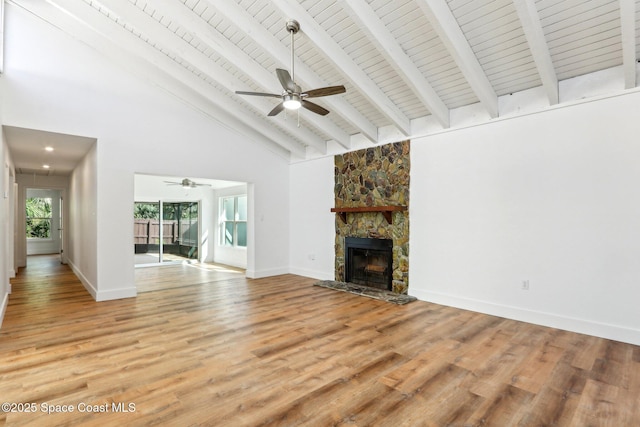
[146, 232]
[180, 227]
[170, 237]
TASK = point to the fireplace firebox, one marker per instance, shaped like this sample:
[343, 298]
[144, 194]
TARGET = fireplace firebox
[369, 262]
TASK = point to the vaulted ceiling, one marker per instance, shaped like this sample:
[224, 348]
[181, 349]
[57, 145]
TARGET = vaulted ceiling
[407, 65]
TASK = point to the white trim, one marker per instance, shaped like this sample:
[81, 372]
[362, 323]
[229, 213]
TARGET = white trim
[120, 293]
[314, 274]
[107, 295]
[259, 274]
[85, 282]
[582, 326]
[5, 302]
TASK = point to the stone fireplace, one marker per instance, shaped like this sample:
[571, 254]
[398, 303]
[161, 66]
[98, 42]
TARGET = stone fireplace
[371, 202]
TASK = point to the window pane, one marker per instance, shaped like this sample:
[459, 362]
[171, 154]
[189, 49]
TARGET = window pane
[38, 228]
[38, 217]
[38, 207]
[146, 210]
[242, 208]
[228, 208]
[242, 233]
[228, 234]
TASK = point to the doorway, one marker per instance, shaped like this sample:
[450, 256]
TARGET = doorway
[43, 215]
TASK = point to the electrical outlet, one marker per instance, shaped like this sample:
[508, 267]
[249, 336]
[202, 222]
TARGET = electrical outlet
[525, 285]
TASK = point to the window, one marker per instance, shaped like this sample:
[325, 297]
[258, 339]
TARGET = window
[233, 221]
[38, 217]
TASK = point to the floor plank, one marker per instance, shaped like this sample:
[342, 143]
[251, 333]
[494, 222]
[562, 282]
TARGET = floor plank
[203, 345]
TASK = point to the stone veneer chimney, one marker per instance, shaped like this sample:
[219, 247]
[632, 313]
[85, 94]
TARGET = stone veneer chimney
[374, 177]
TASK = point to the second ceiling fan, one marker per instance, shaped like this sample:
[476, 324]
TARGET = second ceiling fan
[292, 95]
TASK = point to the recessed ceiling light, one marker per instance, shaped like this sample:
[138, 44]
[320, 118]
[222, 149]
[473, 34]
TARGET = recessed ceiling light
[46, 166]
[48, 148]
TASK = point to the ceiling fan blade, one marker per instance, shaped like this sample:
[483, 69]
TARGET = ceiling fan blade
[171, 183]
[273, 95]
[285, 80]
[278, 108]
[325, 91]
[315, 108]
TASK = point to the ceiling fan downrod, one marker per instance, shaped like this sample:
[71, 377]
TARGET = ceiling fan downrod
[293, 27]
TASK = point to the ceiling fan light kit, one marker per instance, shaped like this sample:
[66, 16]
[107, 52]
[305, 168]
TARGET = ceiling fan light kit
[292, 95]
[291, 101]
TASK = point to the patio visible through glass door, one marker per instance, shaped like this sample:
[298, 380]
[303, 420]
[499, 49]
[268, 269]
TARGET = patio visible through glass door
[146, 232]
[180, 231]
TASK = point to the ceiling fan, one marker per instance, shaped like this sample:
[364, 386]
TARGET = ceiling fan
[292, 95]
[187, 183]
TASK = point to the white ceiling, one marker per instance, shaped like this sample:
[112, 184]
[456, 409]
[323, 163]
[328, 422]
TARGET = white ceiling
[28, 152]
[403, 62]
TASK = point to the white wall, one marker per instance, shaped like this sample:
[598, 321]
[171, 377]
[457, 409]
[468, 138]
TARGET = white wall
[6, 226]
[312, 223]
[550, 198]
[81, 222]
[56, 84]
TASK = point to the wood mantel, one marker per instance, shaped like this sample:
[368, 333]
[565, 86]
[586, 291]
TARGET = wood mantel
[386, 211]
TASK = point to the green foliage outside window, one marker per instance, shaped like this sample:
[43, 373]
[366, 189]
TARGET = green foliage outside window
[38, 217]
[145, 211]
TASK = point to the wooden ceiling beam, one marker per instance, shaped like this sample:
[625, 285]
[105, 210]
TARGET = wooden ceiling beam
[628, 29]
[362, 13]
[447, 28]
[530, 21]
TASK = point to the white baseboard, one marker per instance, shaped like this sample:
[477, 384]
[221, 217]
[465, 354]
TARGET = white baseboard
[582, 326]
[112, 294]
[314, 274]
[258, 274]
[99, 295]
[12, 273]
[3, 307]
[85, 282]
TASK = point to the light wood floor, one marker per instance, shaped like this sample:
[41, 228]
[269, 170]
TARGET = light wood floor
[205, 347]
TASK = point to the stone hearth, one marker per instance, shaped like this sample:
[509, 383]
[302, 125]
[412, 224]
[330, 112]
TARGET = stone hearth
[366, 291]
[370, 178]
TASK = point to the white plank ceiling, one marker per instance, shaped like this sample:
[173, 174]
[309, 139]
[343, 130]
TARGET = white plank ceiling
[402, 62]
